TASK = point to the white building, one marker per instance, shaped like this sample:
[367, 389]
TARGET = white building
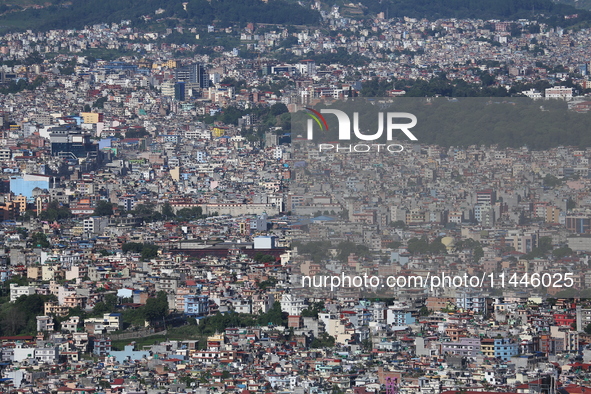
[484, 214]
[292, 305]
[277, 153]
[532, 94]
[108, 323]
[95, 225]
[45, 323]
[559, 92]
[16, 291]
[264, 242]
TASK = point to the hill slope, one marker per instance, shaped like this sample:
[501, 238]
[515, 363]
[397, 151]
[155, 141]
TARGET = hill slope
[582, 4]
[478, 9]
[79, 13]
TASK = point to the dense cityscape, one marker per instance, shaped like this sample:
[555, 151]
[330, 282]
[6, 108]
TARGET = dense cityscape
[165, 228]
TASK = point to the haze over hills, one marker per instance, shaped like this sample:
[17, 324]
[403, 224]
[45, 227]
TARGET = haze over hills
[545, 10]
[197, 12]
[581, 4]
[19, 14]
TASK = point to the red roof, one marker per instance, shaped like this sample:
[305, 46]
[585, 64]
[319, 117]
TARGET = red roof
[574, 389]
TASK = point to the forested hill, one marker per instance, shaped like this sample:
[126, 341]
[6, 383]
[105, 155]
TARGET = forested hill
[78, 13]
[544, 10]
[582, 4]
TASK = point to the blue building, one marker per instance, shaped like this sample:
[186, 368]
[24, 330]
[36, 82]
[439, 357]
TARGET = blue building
[120, 66]
[196, 305]
[179, 91]
[129, 353]
[505, 348]
[26, 183]
[470, 300]
[195, 74]
[399, 317]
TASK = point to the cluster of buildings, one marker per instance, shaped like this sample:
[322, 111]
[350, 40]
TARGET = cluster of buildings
[101, 155]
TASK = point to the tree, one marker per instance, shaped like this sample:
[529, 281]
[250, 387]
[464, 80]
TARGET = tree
[478, 253]
[346, 248]
[398, 224]
[156, 308]
[278, 109]
[103, 208]
[273, 316]
[437, 247]
[147, 250]
[187, 214]
[323, 340]
[562, 252]
[147, 212]
[416, 245]
[313, 310]
[394, 245]
[100, 308]
[39, 240]
[545, 244]
[263, 258]
[134, 247]
[269, 283]
[424, 311]
[77, 311]
[20, 317]
[100, 102]
[55, 211]
[138, 132]
[13, 320]
[111, 300]
[167, 211]
[551, 181]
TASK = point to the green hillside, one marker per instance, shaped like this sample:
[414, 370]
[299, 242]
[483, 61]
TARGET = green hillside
[582, 4]
[546, 10]
[79, 13]
[20, 14]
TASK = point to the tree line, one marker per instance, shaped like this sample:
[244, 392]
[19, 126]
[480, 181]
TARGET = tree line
[198, 12]
[542, 10]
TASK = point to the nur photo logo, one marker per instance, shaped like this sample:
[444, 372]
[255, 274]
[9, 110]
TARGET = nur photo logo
[365, 130]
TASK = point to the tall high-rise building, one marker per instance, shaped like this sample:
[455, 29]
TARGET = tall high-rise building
[193, 74]
[71, 143]
[179, 91]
